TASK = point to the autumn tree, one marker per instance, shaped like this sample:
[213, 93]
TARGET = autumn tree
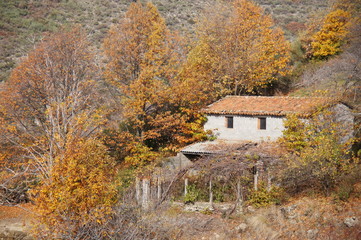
[319, 148]
[76, 201]
[144, 59]
[329, 39]
[239, 50]
[48, 103]
[51, 117]
[49, 98]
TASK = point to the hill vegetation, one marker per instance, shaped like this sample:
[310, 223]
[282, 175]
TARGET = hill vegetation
[97, 96]
[22, 22]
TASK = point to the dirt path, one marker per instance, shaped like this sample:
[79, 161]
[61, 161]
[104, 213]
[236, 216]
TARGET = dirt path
[15, 222]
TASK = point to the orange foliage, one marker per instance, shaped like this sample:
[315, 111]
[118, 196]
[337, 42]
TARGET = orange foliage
[78, 196]
[239, 51]
[327, 42]
[144, 60]
[48, 100]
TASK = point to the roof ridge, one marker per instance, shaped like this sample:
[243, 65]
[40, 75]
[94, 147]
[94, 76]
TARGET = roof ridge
[260, 96]
[266, 105]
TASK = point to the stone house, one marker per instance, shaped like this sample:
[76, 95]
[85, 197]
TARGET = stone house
[238, 120]
[259, 118]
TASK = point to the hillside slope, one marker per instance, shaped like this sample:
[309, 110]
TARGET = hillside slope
[22, 22]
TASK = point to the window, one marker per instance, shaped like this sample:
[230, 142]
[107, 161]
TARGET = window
[262, 123]
[229, 122]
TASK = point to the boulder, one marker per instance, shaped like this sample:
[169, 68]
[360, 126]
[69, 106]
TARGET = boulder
[241, 227]
[312, 234]
[351, 221]
[289, 212]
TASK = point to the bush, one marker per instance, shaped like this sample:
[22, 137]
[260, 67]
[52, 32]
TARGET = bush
[192, 194]
[262, 197]
[319, 155]
[79, 194]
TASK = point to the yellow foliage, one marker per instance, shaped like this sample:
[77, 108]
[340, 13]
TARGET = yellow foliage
[327, 42]
[49, 99]
[144, 60]
[239, 51]
[79, 193]
[320, 149]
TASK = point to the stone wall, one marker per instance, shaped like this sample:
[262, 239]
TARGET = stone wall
[245, 128]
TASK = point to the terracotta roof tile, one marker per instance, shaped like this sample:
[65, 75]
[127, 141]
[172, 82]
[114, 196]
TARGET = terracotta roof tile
[260, 105]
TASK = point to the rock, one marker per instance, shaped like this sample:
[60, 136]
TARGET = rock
[216, 236]
[289, 212]
[251, 209]
[351, 221]
[312, 234]
[198, 207]
[241, 227]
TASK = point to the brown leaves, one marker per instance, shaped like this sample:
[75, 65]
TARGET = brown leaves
[48, 100]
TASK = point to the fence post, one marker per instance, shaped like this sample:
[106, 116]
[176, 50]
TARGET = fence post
[210, 193]
[146, 194]
[239, 191]
[269, 180]
[185, 186]
[137, 190]
[159, 192]
[255, 178]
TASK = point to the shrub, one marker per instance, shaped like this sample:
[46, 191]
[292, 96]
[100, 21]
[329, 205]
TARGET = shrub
[79, 194]
[262, 197]
[192, 194]
[319, 152]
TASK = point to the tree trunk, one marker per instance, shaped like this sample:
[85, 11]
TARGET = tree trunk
[239, 191]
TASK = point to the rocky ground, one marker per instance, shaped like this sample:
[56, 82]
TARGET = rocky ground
[305, 217]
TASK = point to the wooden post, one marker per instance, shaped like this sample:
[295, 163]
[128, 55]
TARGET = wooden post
[269, 180]
[239, 192]
[137, 190]
[159, 192]
[185, 186]
[210, 193]
[146, 194]
[255, 178]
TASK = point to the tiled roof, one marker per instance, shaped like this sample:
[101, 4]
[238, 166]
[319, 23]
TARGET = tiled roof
[268, 106]
[213, 147]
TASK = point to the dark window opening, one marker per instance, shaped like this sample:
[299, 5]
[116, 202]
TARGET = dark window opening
[262, 123]
[229, 122]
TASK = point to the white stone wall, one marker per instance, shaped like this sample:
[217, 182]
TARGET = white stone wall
[245, 128]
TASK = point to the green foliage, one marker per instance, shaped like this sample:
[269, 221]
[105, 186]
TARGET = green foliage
[343, 192]
[125, 179]
[262, 197]
[192, 194]
[347, 184]
[206, 211]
